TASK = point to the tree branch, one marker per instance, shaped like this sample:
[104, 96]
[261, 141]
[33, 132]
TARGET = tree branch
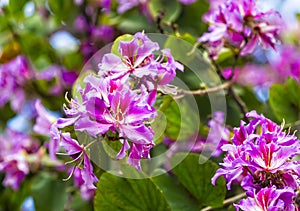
[225, 85]
[239, 102]
[228, 201]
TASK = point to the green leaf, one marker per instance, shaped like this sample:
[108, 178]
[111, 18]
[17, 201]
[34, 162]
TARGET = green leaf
[116, 193]
[73, 60]
[11, 199]
[180, 117]
[116, 44]
[191, 18]
[29, 43]
[16, 8]
[293, 88]
[159, 126]
[133, 21]
[49, 193]
[63, 10]
[177, 196]
[284, 101]
[189, 38]
[196, 179]
[112, 148]
[170, 8]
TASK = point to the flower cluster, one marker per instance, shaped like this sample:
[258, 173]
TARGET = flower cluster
[46, 125]
[117, 102]
[58, 77]
[98, 34]
[241, 25]
[260, 158]
[282, 65]
[18, 152]
[13, 77]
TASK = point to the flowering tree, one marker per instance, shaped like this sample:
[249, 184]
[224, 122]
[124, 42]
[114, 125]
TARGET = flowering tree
[149, 105]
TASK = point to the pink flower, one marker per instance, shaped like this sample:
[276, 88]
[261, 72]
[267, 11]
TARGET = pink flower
[240, 24]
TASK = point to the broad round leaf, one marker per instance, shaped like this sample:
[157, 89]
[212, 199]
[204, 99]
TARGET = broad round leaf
[196, 178]
[116, 193]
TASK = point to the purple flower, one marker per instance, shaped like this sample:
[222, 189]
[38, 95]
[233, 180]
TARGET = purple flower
[63, 78]
[86, 192]
[218, 135]
[84, 175]
[13, 76]
[112, 106]
[102, 33]
[167, 70]
[241, 25]
[260, 156]
[269, 199]
[286, 63]
[80, 24]
[44, 119]
[265, 31]
[125, 5]
[260, 159]
[15, 149]
[138, 63]
[16, 168]
[136, 58]
[119, 100]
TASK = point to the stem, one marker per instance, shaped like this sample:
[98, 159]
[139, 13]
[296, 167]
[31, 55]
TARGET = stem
[239, 102]
[159, 18]
[227, 201]
[225, 85]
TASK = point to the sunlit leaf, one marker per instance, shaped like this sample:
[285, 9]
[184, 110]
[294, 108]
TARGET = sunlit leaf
[117, 193]
[196, 178]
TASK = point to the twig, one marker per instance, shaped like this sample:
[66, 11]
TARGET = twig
[225, 85]
[239, 102]
[228, 201]
[159, 19]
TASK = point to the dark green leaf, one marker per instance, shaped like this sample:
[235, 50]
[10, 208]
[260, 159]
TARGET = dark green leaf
[196, 178]
[116, 193]
[281, 103]
[170, 8]
[191, 18]
[293, 88]
[73, 60]
[133, 21]
[16, 8]
[49, 193]
[180, 117]
[177, 196]
[63, 10]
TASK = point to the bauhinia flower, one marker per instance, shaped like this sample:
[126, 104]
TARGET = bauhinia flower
[241, 25]
[137, 61]
[84, 170]
[269, 199]
[13, 77]
[15, 150]
[261, 156]
[115, 105]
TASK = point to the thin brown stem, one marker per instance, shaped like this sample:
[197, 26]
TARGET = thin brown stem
[223, 86]
[228, 201]
[241, 104]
